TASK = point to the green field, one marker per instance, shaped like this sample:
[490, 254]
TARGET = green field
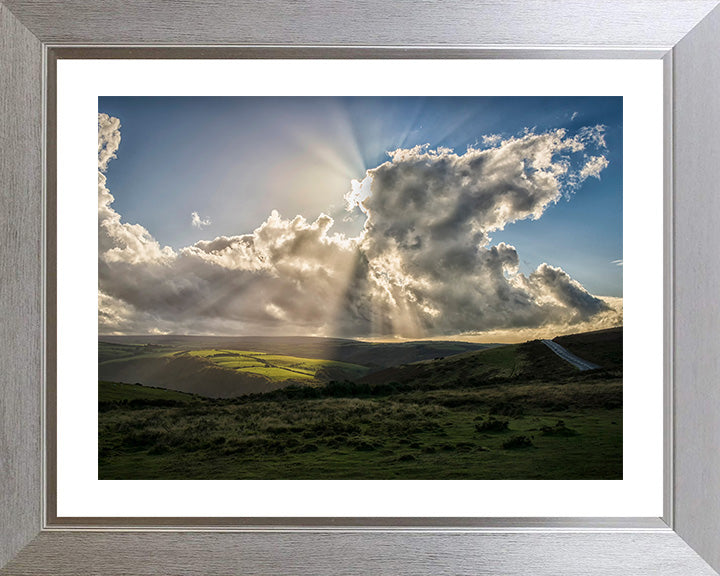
[162, 366]
[513, 412]
[277, 367]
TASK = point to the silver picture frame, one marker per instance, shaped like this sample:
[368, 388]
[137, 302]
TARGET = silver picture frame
[685, 34]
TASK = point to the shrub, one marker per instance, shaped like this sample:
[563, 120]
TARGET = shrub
[517, 442]
[107, 406]
[141, 438]
[152, 403]
[363, 444]
[558, 430]
[333, 428]
[344, 388]
[159, 449]
[509, 409]
[492, 425]
[337, 441]
[555, 406]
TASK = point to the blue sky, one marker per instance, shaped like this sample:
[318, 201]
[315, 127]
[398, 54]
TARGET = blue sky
[234, 160]
[354, 217]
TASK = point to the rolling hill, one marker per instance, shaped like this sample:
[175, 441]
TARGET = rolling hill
[220, 367]
[602, 347]
[373, 355]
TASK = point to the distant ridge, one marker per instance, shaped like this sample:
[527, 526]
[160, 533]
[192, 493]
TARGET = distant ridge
[371, 354]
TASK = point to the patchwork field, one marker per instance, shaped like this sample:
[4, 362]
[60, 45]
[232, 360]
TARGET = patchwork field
[216, 372]
[278, 367]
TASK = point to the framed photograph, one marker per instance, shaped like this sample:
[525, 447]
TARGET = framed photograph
[322, 331]
[365, 313]
[390, 307]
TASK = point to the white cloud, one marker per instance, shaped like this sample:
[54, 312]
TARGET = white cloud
[198, 222]
[108, 139]
[593, 167]
[423, 266]
[427, 239]
[617, 262]
[119, 241]
[593, 135]
[573, 116]
[492, 139]
[608, 319]
[358, 193]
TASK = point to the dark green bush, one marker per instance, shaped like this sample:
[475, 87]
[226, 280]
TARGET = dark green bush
[517, 442]
[159, 449]
[509, 409]
[363, 443]
[558, 430]
[492, 424]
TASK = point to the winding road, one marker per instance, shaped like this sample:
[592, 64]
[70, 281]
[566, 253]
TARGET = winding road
[579, 363]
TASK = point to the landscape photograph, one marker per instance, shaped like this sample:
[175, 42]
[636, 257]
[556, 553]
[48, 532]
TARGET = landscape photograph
[365, 288]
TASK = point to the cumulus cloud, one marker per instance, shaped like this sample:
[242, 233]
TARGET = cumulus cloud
[610, 318]
[286, 275]
[492, 139]
[198, 222]
[427, 238]
[423, 266]
[593, 135]
[108, 139]
[593, 167]
[119, 241]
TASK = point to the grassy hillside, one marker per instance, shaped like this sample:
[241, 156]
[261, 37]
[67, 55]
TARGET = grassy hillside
[116, 395]
[108, 351]
[603, 347]
[568, 432]
[216, 373]
[188, 374]
[374, 355]
[109, 392]
[529, 360]
[512, 412]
